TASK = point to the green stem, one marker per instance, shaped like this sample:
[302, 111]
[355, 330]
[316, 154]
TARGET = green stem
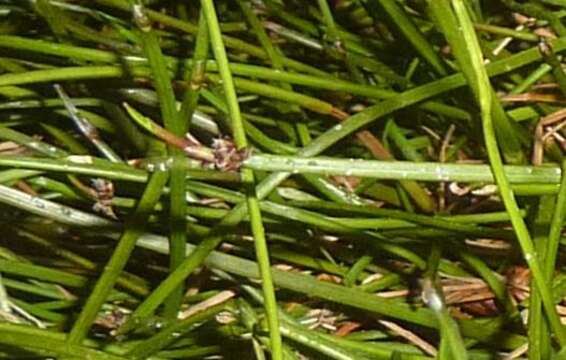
[505, 191]
[402, 22]
[133, 230]
[248, 178]
[42, 273]
[174, 124]
[195, 75]
[49, 341]
[406, 170]
[172, 333]
[556, 226]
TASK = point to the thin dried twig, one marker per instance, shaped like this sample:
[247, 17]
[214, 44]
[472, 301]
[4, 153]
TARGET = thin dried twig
[410, 336]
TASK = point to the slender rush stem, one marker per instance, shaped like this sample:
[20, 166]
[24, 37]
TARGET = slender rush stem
[400, 19]
[485, 92]
[174, 124]
[133, 230]
[171, 333]
[51, 341]
[556, 226]
[248, 178]
[195, 75]
[395, 170]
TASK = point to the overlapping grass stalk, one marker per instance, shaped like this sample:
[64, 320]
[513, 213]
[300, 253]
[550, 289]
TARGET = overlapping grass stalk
[357, 179]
